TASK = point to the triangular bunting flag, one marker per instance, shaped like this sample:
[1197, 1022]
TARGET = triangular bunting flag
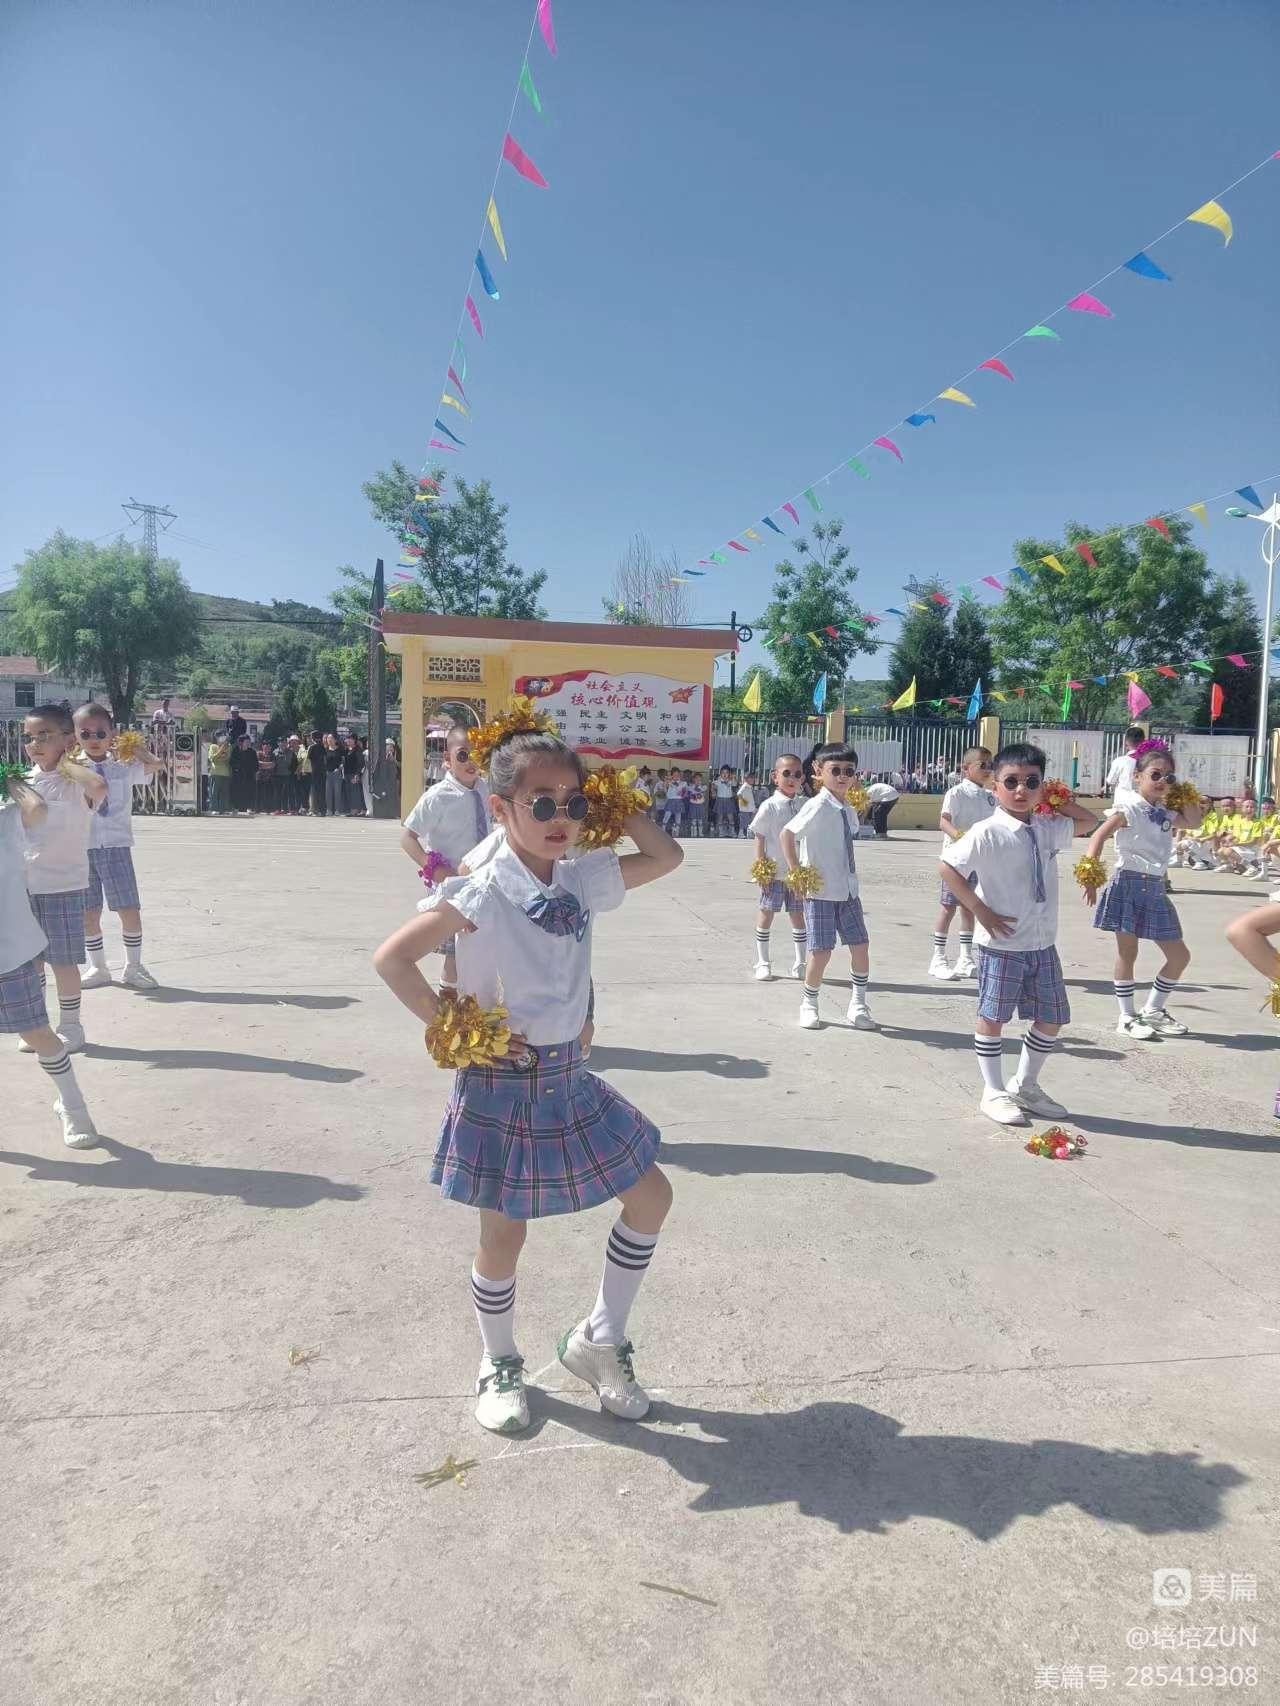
[750, 533]
[951, 395]
[515, 156]
[1201, 512]
[1159, 523]
[791, 511]
[452, 401]
[1145, 267]
[1054, 564]
[920, 420]
[766, 522]
[734, 546]
[441, 427]
[546, 26]
[859, 468]
[990, 580]
[1021, 572]
[1213, 214]
[1041, 332]
[1249, 496]
[1167, 670]
[1239, 659]
[486, 277]
[1206, 668]
[812, 498]
[889, 445]
[457, 385]
[1085, 552]
[495, 225]
[475, 317]
[995, 365]
[906, 699]
[531, 94]
[1086, 304]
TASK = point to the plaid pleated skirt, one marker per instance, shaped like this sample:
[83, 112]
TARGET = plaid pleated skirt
[774, 897]
[22, 1005]
[548, 1138]
[1137, 905]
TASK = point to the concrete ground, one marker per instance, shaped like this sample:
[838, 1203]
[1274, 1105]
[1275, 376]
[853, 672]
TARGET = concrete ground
[930, 1414]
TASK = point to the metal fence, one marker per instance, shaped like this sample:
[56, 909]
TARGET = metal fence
[753, 745]
[916, 754]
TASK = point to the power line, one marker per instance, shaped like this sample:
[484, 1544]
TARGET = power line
[148, 514]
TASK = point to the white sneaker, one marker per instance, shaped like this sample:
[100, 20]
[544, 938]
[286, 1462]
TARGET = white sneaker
[999, 1106]
[809, 1020]
[860, 1017]
[1163, 1022]
[78, 1130]
[138, 977]
[939, 968]
[1132, 1026]
[762, 974]
[502, 1406]
[607, 1368]
[966, 966]
[97, 977]
[797, 970]
[1035, 1101]
[73, 1037]
[25, 1047]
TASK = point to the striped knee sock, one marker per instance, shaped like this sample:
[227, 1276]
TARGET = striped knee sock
[988, 1051]
[1161, 990]
[495, 1305]
[939, 941]
[860, 982]
[626, 1261]
[810, 996]
[97, 953]
[1036, 1049]
[762, 947]
[800, 942]
[966, 943]
[60, 1069]
[1124, 995]
[133, 948]
[68, 1009]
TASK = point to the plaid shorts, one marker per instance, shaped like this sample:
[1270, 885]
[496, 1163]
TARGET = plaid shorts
[111, 872]
[22, 1005]
[61, 917]
[1030, 981]
[829, 921]
[776, 897]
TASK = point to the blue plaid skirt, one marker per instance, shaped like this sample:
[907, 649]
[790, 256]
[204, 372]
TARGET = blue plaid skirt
[111, 873]
[549, 1138]
[1029, 980]
[61, 917]
[826, 921]
[1137, 905]
[22, 1005]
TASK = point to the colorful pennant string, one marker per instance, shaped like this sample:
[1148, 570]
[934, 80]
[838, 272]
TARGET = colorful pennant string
[995, 365]
[495, 225]
[515, 156]
[547, 27]
[486, 277]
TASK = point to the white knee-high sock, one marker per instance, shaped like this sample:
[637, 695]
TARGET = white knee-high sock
[626, 1261]
[68, 1009]
[97, 952]
[495, 1305]
[1124, 989]
[1161, 990]
[762, 946]
[61, 1071]
[988, 1050]
[800, 942]
[133, 947]
[1036, 1049]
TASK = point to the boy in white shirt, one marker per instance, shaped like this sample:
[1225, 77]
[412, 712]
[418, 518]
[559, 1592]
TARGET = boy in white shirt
[674, 804]
[725, 796]
[111, 873]
[449, 820]
[962, 806]
[746, 804]
[822, 836]
[1004, 871]
[767, 825]
[1120, 775]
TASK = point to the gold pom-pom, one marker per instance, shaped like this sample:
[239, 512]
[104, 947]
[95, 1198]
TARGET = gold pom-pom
[463, 1033]
[1090, 873]
[764, 871]
[129, 744]
[804, 882]
[519, 719]
[1183, 794]
[859, 799]
[613, 800]
[1272, 1002]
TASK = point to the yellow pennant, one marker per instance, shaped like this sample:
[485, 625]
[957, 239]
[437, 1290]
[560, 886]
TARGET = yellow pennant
[750, 533]
[906, 699]
[495, 225]
[455, 404]
[1201, 511]
[1054, 564]
[751, 699]
[1002, 697]
[817, 643]
[951, 395]
[1212, 213]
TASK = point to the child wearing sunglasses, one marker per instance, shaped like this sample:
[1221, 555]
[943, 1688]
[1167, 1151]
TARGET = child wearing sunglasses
[767, 825]
[535, 1133]
[1134, 905]
[111, 874]
[1004, 871]
[963, 805]
[450, 819]
[822, 835]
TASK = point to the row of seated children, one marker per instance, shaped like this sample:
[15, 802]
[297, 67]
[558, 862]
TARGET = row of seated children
[1235, 836]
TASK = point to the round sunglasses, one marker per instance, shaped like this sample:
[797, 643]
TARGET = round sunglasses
[1012, 783]
[543, 809]
[1160, 775]
[841, 769]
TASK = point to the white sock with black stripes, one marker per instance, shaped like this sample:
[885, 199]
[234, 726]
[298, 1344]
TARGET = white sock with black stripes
[68, 1009]
[495, 1304]
[97, 952]
[132, 947]
[1124, 995]
[1161, 990]
[762, 947]
[940, 942]
[860, 981]
[966, 944]
[1036, 1049]
[60, 1069]
[626, 1260]
[988, 1050]
[800, 942]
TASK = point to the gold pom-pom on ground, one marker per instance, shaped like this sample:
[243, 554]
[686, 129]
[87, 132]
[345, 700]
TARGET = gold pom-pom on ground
[520, 718]
[1272, 1002]
[804, 882]
[613, 800]
[1090, 873]
[859, 799]
[764, 871]
[129, 744]
[463, 1033]
[1183, 794]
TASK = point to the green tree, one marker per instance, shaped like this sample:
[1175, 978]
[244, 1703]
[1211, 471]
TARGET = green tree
[971, 658]
[300, 707]
[198, 719]
[108, 613]
[726, 704]
[1235, 627]
[923, 652]
[812, 596]
[1149, 601]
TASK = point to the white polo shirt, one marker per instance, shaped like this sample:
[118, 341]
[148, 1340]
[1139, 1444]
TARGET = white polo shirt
[57, 850]
[746, 799]
[21, 938]
[996, 855]
[543, 980]
[819, 828]
[1146, 841]
[966, 804]
[773, 817]
[114, 827]
[445, 818]
[1121, 774]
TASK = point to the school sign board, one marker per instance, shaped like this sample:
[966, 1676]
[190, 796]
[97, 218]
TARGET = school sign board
[615, 714]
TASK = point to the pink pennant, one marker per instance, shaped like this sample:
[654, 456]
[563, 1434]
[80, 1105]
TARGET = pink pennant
[426, 483]
[791, 511]
[1138, 701]
[1086, 304]
[515, 156]
[1086, 553]
[1159, 523]
[413, 550]
[546, 26]
[1239, 659]
[990, 580]
[401, 577]
[439, 444]
[475, 317]
[457, 384]
[872, 619]
[734, 546]
[995, 365]
[939, 598]
[889, 445]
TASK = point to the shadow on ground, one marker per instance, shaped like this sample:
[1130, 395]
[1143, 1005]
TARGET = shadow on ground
[723, 1160]
[857, 1469]
[218, 1060]
[132, 1169]
[169, 995]
[953, 1040]
[1192, 1137]
[653, 1060]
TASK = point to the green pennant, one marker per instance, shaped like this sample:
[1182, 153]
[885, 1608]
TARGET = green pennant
[526, 83]
[1200, 664]
[1066, 702]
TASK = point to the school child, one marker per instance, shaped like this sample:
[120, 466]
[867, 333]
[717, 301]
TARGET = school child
[1120, 775]
[695, 804]
[767, 825]
[111, 873]
[746, 805]
[57, 856]
[1250, 935]
[22, 947]
[963, 805]
[673, 810]
[822, 835]
[449, 819]
[535, 1133]
[659, 794]
[1133, 904]
[1004, 871]
[725, 796]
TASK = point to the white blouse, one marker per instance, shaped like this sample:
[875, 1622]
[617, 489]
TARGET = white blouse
[774, 816]
[1145, 842]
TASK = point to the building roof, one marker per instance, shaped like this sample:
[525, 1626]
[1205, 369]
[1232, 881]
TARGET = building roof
[21, 666]
[558, 633]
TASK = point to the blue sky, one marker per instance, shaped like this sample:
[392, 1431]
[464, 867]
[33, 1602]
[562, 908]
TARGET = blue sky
[238, 238]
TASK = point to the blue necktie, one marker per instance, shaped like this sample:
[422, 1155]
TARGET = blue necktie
[104, 810]
[1039, 862]
[848, 840]
[559, 915]
[482, 820]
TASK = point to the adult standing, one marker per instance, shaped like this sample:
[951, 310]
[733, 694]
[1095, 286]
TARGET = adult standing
[883, 797]
[220, 774]
[315, 766]
[236, 725]
[162, 717]
[300, 787]
[244, 776]
[284, 778]
[352, 767]
[332, 776]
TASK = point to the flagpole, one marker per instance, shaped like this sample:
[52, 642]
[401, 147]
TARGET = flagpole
[1269, 552]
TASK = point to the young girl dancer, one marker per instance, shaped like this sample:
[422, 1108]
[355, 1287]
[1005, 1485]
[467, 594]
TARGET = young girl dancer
[822, 835]
[1134, 905]
[962, 806]
[767, 826]
[537, 1134]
